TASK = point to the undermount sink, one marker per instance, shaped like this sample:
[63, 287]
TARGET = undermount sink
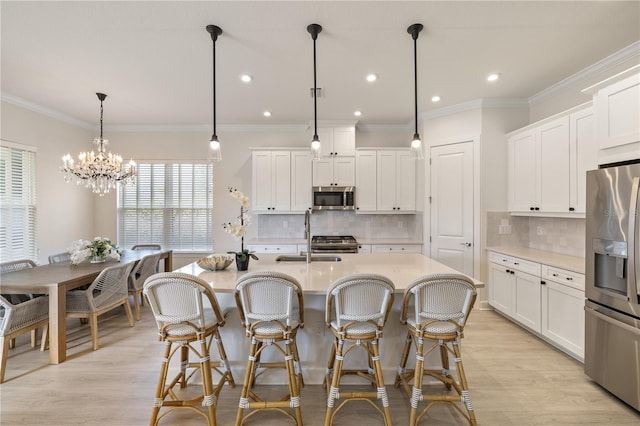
[299, 258]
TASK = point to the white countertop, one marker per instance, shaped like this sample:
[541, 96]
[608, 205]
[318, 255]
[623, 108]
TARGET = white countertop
[316, 277]
[571, 263]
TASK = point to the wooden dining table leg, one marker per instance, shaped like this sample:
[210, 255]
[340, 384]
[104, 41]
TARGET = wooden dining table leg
[57, 325]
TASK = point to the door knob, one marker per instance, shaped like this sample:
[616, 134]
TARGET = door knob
[466, 244]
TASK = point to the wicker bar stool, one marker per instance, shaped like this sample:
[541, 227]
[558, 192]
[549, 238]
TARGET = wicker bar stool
[271, 310]
[146, 267]
[435, 310]
[356, 311]
[188, 318]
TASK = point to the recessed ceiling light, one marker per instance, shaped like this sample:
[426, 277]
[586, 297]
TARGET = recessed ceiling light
[246, 78]
[493, 77]
[435, 98]
[357, 113]
[266, 114]
[371, 78]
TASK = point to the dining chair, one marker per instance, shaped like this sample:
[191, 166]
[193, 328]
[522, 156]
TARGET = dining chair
[188, 318]
[146, 247]
[146, 267]
[20, 318]
[13, 266]
[271, 310]
[109, 290]
[60, 257]
[435, 310]
[356, 311]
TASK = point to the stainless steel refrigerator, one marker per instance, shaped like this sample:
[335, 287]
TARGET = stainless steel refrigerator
[612, 308]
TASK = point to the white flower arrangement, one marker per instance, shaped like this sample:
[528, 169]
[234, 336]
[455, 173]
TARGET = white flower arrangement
[100, 247]
[239, 228]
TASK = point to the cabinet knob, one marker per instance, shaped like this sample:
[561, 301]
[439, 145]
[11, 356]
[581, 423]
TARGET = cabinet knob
[543, 282]
[571, 209]
[532, 208]
[569, 279]
[537, 208]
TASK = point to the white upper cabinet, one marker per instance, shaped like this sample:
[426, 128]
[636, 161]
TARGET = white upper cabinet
[366, 181]
[337, 166]
[337, 141]
[617, 110]
[396, 181]
[271, 181]
[547, 164]
[300, 181]
[583, 156]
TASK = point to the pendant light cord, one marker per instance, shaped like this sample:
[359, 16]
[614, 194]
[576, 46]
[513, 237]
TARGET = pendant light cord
[415, 81]
[315, 92]
[214, 84]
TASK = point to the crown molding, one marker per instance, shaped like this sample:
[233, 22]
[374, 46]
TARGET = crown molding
[375, 128]
[206, 128]
[474, 105]
[630, 52]
[31, 106]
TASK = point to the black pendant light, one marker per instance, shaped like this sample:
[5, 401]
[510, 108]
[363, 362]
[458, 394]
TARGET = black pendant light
[215, 153]
[314, 30]
[416, 143]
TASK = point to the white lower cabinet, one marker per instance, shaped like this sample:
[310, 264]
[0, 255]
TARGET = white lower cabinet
[546, 300]
[396, 248]
[364, 248]
[273, 248]
[563, 309]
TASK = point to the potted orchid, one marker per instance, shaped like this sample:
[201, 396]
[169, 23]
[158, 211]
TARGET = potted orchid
[238, 230]
[97, 251]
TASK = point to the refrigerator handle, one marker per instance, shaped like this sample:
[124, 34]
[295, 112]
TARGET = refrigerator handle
[633, 248]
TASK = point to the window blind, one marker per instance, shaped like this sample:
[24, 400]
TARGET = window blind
[17, 202]
[170, 204]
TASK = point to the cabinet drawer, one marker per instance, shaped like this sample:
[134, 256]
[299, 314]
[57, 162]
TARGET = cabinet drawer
[396, 248]
[515, 263]
[274, 248]
[562, 276]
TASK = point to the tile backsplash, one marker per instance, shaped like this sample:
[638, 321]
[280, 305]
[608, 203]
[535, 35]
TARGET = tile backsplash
[407, 226]
[558, 235]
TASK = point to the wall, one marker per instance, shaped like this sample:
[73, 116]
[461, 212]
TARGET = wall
[65, 212]
[557, 235]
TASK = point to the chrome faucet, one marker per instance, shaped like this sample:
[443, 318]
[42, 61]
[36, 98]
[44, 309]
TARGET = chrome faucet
[307, 232]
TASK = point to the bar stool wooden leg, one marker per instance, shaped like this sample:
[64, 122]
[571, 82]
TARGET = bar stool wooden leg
[382, 391]
[225, 366]
[466, 397]
[335, 380]
[294, 388]
[401, 375]
[208, 396]
[326, 384]
[416, 393]
[248, 381]
[444, 356]
[157, 402]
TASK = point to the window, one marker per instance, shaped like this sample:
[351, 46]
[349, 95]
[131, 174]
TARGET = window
[17, 202]
[170, 204]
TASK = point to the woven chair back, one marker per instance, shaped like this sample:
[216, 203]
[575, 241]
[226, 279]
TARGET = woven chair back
[16, 265]
[441, 297]
[269, 296]
[146, 267]
[362, 297]
[59, 257]
[180, 300]
[110, 286]
[147, 247]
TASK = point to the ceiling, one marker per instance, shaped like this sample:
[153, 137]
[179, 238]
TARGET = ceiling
[154, 58]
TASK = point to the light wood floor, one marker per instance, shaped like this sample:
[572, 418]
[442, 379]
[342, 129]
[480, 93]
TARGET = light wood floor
[515, 379]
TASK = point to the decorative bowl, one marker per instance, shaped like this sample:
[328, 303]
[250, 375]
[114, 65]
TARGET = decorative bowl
[216, 261]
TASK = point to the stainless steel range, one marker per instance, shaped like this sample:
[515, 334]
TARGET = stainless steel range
[334, 244]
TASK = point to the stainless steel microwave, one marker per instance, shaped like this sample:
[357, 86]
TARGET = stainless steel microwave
[334, 198]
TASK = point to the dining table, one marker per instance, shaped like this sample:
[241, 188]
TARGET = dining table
[56, 280]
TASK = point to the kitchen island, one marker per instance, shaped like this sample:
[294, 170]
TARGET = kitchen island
[314, 340]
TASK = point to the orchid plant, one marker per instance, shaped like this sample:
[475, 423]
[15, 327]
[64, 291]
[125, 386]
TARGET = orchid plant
[100, 247]
[239, 227]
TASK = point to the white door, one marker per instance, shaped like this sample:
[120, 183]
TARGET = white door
[452, 206]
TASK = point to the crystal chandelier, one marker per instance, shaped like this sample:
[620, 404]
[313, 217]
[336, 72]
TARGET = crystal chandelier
[99, 171]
